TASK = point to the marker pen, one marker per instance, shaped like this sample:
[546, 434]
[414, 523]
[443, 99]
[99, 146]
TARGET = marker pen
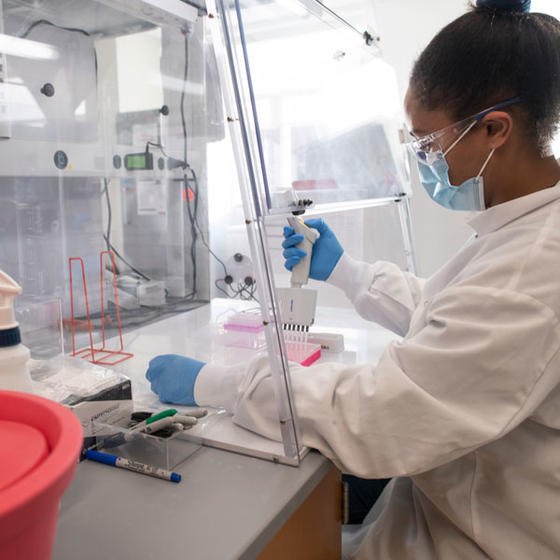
[157, 425]
[130, 465]
[197, 413]
[154, 418]
[184, 420]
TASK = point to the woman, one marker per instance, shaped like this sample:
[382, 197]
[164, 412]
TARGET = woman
[464, 413]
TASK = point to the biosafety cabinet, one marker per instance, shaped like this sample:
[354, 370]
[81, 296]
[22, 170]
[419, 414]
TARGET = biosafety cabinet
[176, 137]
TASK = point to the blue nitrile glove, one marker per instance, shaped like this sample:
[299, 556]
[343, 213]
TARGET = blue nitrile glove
[172, 378]
[326, 250]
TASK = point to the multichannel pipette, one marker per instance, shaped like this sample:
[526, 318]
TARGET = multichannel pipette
[298, 304]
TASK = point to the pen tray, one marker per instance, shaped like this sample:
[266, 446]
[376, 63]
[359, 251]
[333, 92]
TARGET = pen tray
[164, 453]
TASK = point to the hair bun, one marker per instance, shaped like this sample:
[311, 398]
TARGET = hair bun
[506, 5]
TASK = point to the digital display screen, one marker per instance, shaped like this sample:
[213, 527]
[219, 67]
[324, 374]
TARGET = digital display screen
[136, 161]
[140, 160]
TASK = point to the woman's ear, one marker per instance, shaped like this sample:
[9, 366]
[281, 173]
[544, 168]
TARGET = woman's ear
[499, 126]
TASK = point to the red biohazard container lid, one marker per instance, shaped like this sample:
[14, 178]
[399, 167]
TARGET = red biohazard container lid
[40, 442]
[22, 449]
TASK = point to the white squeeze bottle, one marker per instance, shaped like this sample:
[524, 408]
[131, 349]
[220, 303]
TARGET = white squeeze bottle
[14, 356]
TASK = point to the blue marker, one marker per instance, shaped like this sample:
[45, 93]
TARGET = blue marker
[131, 465]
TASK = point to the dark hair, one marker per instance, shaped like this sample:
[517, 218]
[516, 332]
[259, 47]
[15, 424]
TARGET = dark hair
[489, 55]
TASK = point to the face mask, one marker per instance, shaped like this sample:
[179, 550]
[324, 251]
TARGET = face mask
[469, 195]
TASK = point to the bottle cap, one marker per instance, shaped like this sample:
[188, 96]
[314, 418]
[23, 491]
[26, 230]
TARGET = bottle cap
[10, 337]
[9, 289]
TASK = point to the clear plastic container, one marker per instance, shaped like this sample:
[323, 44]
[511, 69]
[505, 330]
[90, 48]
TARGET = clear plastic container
[164, 453]
[40, 322]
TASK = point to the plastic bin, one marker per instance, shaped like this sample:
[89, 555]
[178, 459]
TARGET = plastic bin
[163, 453]
[40, 442]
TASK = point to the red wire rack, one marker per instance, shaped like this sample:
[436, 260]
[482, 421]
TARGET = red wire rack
[101, 355]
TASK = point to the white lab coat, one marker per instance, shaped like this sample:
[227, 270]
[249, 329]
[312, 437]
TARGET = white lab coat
[465, 410]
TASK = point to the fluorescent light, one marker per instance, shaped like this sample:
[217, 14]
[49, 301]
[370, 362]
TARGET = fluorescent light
[25, 48]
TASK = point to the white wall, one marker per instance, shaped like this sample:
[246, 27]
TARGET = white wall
[405, 28]
[551, 7]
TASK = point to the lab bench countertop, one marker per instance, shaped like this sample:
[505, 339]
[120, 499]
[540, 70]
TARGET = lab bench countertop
[227, 506]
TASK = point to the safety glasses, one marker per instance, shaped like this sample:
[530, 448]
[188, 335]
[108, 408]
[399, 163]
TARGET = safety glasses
[429, 148]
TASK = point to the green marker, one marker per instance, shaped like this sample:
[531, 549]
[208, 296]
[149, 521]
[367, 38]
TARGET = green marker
[158, 416]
